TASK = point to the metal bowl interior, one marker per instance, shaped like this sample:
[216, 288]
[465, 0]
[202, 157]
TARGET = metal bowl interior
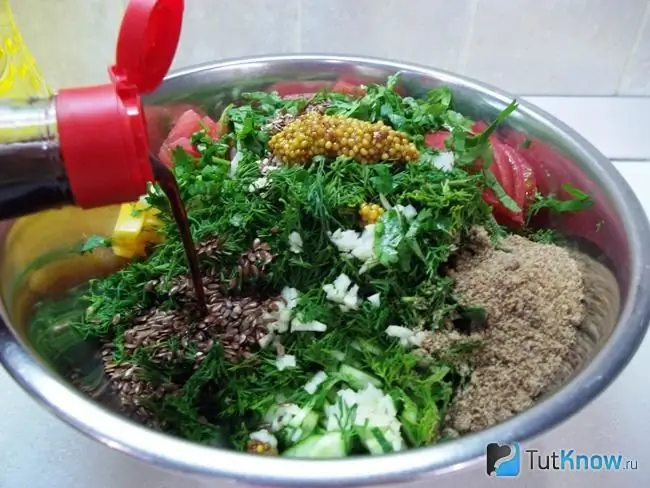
[34, 264]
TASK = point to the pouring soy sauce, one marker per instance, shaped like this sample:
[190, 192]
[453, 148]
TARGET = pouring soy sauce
[89, 146]
[168, 185]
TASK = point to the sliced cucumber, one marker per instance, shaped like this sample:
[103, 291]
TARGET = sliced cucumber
[409, 420]
[309, 424]
[299, 428]
[357, 378]
[328, 445]
[366, 347]
[375, 441]
[338, 355]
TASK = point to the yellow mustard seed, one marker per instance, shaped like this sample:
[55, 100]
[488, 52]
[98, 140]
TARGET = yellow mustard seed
[370, 213]
[315, 134]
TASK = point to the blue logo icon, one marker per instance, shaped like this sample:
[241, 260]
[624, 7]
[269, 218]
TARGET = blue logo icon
[503, 459]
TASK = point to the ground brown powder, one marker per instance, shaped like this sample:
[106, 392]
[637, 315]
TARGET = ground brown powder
[533, 296]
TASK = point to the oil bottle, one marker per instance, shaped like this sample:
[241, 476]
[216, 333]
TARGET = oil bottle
[87, 146]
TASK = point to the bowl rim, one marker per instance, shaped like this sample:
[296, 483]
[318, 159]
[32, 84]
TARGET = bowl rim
[176, 454]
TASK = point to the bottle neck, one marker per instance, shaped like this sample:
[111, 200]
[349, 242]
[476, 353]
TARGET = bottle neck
[32, 173]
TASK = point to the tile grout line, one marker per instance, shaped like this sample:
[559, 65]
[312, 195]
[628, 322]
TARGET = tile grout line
[645, 20]
[463, 59]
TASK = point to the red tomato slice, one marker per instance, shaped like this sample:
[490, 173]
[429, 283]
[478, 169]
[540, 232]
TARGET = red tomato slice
[503, 172]
[528, 180]
[518, 191]
[186, 144]
[437, 139]
[165, 155]
[479, 127]
[551, 170]
[532, 152]
[213, 128]
[510, 168]
[501, 167]
[187, 124]
[347, 88]
[168, 148]
[161, 118]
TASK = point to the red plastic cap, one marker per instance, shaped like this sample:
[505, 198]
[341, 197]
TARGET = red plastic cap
[147, 42]
[102, 129]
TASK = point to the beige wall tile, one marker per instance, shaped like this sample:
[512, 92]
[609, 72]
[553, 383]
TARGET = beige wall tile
[553, 46]
[636, 78]
[429, 32]
[214, 30]
[73, 40]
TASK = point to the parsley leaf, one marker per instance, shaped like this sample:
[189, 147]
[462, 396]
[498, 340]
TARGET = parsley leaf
[578, 201]
[93, 242]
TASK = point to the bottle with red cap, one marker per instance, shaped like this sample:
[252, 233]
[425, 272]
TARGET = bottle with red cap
[88, 146]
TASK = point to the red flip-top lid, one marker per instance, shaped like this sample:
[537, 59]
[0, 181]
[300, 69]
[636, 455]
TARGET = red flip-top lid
[102, 130]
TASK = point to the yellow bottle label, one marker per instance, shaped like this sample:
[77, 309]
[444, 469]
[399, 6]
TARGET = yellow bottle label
[20, 77]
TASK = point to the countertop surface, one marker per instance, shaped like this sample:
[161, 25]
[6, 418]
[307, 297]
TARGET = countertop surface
[38, 451]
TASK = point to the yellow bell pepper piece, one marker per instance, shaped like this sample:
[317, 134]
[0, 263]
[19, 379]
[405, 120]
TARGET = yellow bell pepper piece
[136, 227]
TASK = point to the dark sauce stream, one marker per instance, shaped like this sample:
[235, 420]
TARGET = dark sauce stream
[167, 182]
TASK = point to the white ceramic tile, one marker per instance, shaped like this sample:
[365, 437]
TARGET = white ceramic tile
[214, 30]
[553, 46]
[636, 78]
[617, 126]
[429, 32]
[72, 40]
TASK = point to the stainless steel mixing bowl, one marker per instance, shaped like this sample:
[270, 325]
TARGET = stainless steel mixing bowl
[32, 267]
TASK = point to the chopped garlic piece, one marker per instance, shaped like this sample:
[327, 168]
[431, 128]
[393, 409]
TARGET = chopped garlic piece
[234, 162]
[266, 340]
[291, 296]
[398, 331]
[351, 299]
[444, 161]
[295, 243]
[265, 437]
[312, 385]
[285, 362]
[375, 300]
[409, 212]
[280, 416]
[406, 336]
[258, 184]
[361, 246]
[282, 316]
[417, 338]
[343, 292]
[297, 325]
[373, 408]
[364, 249]
[345, 240]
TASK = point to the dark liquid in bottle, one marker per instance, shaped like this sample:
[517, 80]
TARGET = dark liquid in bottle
[167, 183]
[32, 179]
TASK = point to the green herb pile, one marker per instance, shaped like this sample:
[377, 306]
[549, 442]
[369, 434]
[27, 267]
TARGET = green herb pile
[229, 401]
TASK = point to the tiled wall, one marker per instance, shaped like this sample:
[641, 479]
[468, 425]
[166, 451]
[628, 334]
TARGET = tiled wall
[587, 47]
